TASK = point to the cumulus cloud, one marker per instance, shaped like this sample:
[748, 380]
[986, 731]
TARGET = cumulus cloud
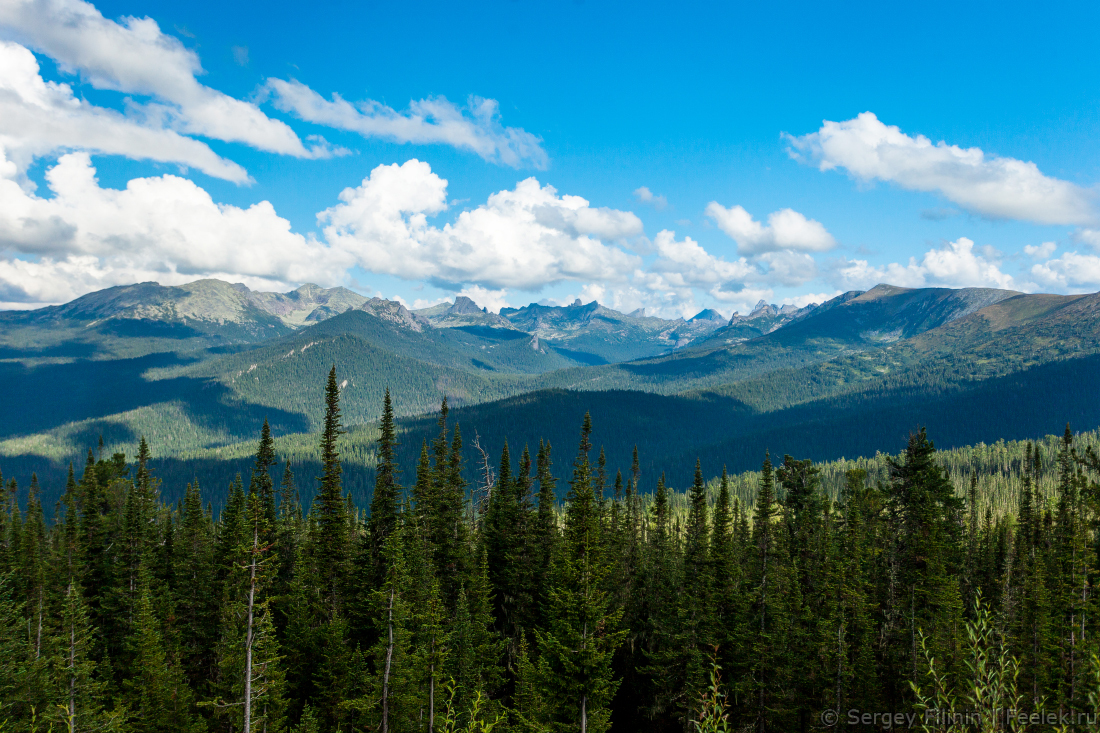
[494, 300]
[524, 238]
[1091, 237]
[786, 230]
[1071, 271]
[684, 265]
[789, 268]
[85, 237]
[954, 265]
[805, 299]
[645, 196]
[476, 127]
[1041, 251]
[989, 185]
[38, 117]
[135, 57]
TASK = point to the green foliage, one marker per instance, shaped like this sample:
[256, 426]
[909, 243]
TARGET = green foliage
[931, 578]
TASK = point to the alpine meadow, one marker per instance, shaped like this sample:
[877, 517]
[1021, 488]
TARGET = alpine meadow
[507, 367]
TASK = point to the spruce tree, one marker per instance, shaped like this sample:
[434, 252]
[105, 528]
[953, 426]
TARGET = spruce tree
[157, 694]
[329, 544]
[196, 606]
[383, 507]
[924, 516]
[576, 650]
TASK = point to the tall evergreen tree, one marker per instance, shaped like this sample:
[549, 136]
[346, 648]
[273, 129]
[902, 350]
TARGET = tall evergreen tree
[329, 509]
[582, 635]
[384, 503]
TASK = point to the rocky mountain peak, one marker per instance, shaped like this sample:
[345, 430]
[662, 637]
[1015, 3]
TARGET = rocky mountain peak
[464, 306]
[394, 312]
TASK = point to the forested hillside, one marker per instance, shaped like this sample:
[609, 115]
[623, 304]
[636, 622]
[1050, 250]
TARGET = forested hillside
[782, 599]
[849, 377]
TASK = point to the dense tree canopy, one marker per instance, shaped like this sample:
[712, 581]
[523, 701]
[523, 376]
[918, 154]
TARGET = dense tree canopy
[619, 609]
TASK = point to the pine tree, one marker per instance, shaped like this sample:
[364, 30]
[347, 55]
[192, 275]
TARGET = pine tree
[726, 581]
[392, 694]
[544, 535]
[18, 674]
[855, 683]
[767, 687]
[78, 687]
[657, 605]
[195, 604]
[158, 697]
[251, 676]
[383, 507]
[428, 626]
[76, 681]
[505, 536]
[34, 565]
[262, 484]
[329, 544]
[476, 648]
[679, 663]
[925, 518]
[576, 650]
[288, 541]
[447, 526]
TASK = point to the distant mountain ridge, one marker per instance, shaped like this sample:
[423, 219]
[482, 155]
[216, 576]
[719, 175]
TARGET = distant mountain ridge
[105, 364]
[206, 304]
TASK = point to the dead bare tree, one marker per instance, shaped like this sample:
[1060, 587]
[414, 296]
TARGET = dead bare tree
[483, 491]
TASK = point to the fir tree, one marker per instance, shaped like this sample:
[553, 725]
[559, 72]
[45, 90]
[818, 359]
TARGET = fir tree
[329, 543]
[576, 650]
[383, 507]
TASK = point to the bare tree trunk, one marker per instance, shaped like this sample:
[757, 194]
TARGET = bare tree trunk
[483, 492]
[386, 674]
[763, 612]
[38, 638]
[431, 697]
[72, 669]
[584, 698]
[248, 634]
[839, 662]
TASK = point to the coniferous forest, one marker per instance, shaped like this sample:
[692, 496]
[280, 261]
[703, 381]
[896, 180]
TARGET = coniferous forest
[492, 606]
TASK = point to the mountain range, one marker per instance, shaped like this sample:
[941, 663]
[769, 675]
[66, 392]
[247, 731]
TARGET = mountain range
[196, 368]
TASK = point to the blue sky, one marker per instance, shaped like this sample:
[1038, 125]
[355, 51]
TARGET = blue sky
[707, 107]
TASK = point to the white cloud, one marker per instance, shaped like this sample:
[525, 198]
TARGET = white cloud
[420, 303]
[166, 228]
[789, 268]
[955, 265]
[84, 237]
[685, 264]
[645, 196]
[38, 117]
[476, 127]
[989, 185]
[1041, 251]
[494, 300]
[806, 298]
[135, 57]
[1071, 271]
[525, 238]
[683, 267]
[786, 229]
[1091, 237]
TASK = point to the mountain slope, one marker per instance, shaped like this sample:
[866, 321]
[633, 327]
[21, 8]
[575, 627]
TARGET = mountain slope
[595, 334]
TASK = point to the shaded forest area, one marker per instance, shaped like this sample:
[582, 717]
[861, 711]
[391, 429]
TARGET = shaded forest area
[761, 602]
